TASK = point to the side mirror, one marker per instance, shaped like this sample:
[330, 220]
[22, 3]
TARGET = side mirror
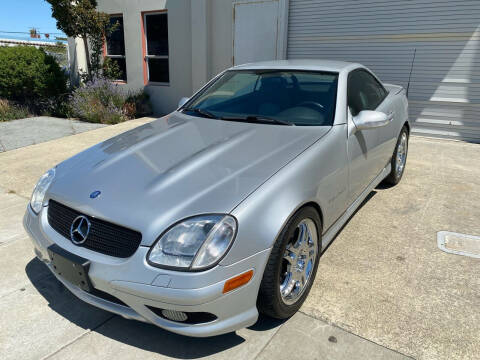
[368, 119]
[182, 101]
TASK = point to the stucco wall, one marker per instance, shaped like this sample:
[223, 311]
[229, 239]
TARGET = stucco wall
[77, 59]
[221, 35]
[212, 22]
[164, 97]
[200, 45]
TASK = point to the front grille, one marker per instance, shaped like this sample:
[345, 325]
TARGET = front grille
[104, 237]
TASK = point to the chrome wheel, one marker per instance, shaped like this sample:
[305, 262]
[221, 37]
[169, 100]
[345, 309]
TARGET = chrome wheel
[401, 154]
[298, 262]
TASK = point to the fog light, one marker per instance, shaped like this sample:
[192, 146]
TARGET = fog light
[183, 317]
[174, 315]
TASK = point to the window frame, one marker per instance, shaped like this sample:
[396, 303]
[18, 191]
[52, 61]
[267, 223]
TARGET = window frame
[364, 70]
[124, 56]
[146, 70]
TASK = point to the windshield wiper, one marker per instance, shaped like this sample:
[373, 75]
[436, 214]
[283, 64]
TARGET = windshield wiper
[249, 118]
[205, 113]
[257, 119]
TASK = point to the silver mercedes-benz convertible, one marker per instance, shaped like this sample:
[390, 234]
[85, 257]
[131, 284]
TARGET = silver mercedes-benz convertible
[200, 220]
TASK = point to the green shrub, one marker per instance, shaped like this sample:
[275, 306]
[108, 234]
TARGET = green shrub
[138, 104]
[99, 101]
[30, 76]
[103, 101]
[59, 106]
[9, 111]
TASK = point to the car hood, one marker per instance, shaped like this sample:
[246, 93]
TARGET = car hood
[175, 167]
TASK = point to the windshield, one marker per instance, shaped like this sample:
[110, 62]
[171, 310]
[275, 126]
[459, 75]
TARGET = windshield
[287, 97]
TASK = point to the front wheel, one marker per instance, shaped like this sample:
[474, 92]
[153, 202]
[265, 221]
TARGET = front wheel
[292, 265]
[399, 158]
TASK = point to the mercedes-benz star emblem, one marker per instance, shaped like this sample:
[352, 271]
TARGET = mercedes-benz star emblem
[79, 230]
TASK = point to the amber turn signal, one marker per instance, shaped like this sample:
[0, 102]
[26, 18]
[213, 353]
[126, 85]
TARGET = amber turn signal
[237, 281]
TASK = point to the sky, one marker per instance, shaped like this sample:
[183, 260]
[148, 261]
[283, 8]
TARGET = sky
[21, 15]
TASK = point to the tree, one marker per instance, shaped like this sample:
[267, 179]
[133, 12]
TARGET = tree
[80, 18]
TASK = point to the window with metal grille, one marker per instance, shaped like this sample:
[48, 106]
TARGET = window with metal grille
[115, 45]
[156, 47]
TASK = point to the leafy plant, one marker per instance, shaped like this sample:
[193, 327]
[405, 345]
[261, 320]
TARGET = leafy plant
[99, 101]
[138, 103]
[59, 106]
[103, 101]
[80, 18]
[30, 76]
[10, 111]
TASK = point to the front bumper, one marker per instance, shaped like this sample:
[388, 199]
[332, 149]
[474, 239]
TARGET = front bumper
[140, 286]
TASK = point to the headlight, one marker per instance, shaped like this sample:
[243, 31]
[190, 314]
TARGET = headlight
[195, 243]
[36, 202]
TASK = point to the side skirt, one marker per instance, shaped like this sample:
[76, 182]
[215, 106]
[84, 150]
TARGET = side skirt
[342, 220]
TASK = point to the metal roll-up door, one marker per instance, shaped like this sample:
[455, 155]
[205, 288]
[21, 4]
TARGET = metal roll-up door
[384, 35]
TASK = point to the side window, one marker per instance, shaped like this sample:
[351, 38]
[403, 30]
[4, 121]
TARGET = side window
[364, 92]
[115, 45]
[156, 43]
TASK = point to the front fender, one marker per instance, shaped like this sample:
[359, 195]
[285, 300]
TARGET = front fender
[319, 175]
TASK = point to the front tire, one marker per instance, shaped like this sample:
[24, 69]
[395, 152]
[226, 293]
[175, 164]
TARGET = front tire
[399, 158]
[292, 265]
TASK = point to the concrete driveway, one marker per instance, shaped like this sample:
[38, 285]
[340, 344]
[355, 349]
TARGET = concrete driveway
[383, 288]
[23, 132]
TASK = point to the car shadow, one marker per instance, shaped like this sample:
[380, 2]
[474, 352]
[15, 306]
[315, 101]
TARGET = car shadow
[384, 186]
[367, 199]
[131, 332]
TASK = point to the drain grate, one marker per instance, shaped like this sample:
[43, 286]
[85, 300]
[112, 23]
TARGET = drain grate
[460, 244]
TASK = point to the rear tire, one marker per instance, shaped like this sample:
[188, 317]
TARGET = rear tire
[399, 158]
[292, 265]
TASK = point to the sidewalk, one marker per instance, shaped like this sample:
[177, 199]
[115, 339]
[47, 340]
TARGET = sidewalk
[21, 168]
[15, 134]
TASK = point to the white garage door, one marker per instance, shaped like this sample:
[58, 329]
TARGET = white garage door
[384, 35]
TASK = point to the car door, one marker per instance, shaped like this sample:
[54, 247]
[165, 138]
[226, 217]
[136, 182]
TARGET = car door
[366, 148]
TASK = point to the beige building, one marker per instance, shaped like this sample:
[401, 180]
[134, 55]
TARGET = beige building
[173, 47]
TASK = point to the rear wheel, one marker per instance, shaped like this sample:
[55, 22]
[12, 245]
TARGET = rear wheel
[399, 158]
[292, 265]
